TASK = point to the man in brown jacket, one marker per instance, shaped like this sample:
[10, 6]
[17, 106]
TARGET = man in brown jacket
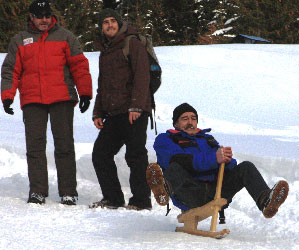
[121, 113]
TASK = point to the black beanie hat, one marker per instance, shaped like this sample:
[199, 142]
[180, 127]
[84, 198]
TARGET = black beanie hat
[179, 110]
[40, 7]
[109, 13]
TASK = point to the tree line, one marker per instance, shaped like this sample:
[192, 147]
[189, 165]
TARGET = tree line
[169, 22]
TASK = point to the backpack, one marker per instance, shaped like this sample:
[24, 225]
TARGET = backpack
[154, 69]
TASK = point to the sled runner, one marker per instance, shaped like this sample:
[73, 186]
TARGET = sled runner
[191, 217]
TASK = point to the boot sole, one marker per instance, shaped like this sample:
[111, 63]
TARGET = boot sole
[279, 195]
[132, 207]
[155, 180]
[36, 202]
[68, 203]
[101, 205]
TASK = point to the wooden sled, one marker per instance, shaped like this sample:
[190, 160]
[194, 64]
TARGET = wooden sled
[193, 216]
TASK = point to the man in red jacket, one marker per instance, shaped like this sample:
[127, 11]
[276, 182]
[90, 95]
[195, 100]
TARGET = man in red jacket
[121, 111]
[46, 64]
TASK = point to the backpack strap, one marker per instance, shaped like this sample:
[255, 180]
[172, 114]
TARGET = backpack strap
[126, 48]
[167, 209]
[153, 121]
[221, 216]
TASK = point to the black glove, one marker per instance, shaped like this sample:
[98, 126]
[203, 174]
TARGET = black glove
[84, 103]
[6, 106]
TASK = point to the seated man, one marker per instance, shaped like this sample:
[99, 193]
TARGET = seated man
[190, 159]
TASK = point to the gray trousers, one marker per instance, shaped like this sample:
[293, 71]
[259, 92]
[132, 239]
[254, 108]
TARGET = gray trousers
[35, 118]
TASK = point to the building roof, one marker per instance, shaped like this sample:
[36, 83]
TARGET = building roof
[255, 38]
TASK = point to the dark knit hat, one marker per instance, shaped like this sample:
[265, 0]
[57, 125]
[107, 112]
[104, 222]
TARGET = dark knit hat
[40, 7]
[109, 13]
[181, 109]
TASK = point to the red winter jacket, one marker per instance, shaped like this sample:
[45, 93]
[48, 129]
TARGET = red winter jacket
[45, 67]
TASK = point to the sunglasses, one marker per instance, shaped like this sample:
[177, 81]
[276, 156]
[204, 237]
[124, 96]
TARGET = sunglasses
[41, 16]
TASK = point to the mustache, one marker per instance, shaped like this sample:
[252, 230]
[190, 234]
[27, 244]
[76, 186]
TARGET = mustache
[189, 126]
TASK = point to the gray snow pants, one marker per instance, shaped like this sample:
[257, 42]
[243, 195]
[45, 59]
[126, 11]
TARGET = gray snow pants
[35, 117]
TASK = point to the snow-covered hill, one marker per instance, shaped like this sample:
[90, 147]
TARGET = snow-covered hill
[248, 95]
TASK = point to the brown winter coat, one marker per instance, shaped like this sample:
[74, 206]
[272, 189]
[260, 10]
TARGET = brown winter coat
[121, 84]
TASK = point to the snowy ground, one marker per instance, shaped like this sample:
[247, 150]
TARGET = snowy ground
[248, 94]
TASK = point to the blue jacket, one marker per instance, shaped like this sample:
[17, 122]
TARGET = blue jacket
[199, 152]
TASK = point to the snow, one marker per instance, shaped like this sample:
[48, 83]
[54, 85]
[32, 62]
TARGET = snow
[248, 95]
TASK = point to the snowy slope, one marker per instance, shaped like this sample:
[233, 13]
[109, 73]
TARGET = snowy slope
[248, 94]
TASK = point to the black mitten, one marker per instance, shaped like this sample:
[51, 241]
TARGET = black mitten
[6, 106]
[84, 103]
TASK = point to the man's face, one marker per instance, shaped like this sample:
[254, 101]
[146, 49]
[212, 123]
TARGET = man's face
[110, 27]
[187, 122]
[41, 21]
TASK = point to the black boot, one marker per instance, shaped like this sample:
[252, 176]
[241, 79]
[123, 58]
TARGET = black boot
[36, 198]
[69, 200]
